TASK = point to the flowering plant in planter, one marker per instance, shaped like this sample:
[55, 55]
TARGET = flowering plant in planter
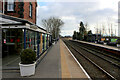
[27, 64]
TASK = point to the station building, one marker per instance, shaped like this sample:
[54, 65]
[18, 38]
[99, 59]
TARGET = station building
[19, 34]
[19, 31]
[20, 9]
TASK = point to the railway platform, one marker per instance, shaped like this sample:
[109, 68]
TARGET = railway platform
[57, 63]
[100, 45]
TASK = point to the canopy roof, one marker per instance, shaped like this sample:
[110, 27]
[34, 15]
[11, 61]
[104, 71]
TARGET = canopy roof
[13, 22]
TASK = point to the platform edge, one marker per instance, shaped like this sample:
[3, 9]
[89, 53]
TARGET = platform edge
[78, 62]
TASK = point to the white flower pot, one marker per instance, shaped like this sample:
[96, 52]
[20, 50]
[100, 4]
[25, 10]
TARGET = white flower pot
[118, 45]
[105, 43]
[27, 69]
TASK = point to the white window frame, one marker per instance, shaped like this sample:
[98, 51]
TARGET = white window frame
[30, 10]
[10, 5]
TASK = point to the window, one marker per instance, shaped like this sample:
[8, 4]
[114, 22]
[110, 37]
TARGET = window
[10, 5]
[30, 10]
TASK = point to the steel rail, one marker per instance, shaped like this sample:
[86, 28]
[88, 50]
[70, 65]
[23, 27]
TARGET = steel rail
[99, 56]
[111, 76]
[101, 53]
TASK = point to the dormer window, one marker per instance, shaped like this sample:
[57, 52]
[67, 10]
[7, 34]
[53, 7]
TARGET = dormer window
[10, 5]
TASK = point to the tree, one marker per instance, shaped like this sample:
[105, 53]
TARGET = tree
[75, 35]
[89, 32]
[53, 25]
[83, 33]
[82, 30]
[79, 36]
[89, 35]
[86, 26]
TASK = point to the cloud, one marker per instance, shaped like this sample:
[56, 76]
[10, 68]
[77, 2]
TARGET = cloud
[68, 18]
[74, 12]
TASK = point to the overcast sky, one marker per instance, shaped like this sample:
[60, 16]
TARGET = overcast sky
[94, 12]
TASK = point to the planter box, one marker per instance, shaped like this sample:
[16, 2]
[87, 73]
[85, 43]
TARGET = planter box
[27, 69]
[95, 41]
[105, 43]
[118, 45]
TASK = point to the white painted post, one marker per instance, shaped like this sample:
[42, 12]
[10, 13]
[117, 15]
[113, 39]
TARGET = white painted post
[3, 6]
[118, 29]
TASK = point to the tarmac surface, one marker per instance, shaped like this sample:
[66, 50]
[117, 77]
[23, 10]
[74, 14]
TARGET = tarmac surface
[57, 63]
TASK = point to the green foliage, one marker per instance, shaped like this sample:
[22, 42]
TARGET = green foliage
[82, 28]
[75, 35]
[82, 31]
[28, 56]
[90, 32]
[89, 36]
[78, 36]
[83, 34]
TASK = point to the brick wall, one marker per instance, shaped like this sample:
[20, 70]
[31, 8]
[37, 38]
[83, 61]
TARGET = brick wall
[26, 11]
[1, 6]
[13, 13]
[25, 14]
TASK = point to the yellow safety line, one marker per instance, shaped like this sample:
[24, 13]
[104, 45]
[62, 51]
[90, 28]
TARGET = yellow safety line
[64, 67]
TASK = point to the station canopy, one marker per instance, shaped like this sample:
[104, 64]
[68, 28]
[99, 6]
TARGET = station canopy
[13, 22]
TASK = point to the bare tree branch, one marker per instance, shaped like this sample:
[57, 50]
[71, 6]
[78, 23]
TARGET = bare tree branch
[53, 25]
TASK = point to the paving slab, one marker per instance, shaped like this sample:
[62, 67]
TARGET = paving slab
[73, 69]
[50, 66]
[57, 63]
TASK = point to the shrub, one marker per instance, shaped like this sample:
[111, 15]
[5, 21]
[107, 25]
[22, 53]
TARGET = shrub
[118, 42]
[28, 56]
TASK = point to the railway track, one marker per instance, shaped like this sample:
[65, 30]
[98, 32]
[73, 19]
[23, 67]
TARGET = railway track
[109, 58]
[99, 51]
[93, 63]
